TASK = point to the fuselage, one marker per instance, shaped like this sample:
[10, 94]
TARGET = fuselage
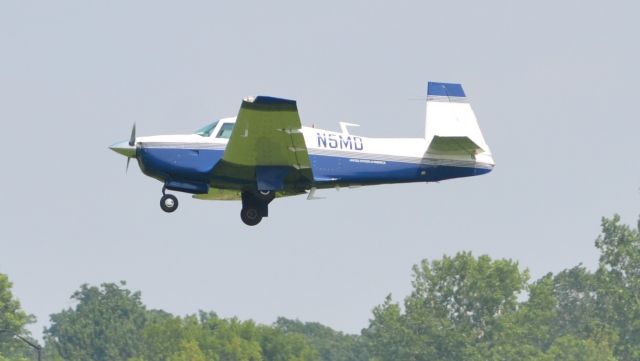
[265, 153]
[337, 159]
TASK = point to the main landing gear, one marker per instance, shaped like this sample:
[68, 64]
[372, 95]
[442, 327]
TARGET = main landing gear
[255, 205]
[168, 202]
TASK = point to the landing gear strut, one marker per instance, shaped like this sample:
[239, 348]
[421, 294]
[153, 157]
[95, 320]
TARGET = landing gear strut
[265, 196]
[168, 202]
[255, 205]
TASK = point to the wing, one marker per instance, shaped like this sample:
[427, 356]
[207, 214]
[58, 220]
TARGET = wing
[217, 194]
[266, 150]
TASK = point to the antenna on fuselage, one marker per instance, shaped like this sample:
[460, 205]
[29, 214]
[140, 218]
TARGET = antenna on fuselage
[344, 125]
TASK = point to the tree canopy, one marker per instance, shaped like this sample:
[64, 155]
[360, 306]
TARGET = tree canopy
[472, 308]
[13, 320]
[461, 307]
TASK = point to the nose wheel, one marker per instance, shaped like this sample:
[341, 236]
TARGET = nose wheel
[169, 203]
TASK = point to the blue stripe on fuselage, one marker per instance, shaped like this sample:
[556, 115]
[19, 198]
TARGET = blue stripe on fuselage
[196, 165]
[365, 171]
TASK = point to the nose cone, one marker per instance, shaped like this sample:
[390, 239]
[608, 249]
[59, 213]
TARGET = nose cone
[124, 148]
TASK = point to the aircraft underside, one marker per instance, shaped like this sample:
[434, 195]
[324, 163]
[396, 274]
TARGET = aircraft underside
[194, 171]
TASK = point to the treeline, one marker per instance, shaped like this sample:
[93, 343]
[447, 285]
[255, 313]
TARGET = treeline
[111, 323]
[461, 308]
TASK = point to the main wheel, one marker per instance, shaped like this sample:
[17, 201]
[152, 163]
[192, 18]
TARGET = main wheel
[169, 203]
[250, 216]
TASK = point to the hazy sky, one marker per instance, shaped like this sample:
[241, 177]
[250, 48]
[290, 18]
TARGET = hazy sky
[553, 83]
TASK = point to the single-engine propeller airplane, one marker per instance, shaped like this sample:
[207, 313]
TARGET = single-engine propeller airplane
[265, 153]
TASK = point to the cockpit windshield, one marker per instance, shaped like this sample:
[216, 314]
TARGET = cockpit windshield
[225, 130]
[206, 130]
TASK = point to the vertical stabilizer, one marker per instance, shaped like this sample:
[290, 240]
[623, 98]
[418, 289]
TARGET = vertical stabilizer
[451, 125]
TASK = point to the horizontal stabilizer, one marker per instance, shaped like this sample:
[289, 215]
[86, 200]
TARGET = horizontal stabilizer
[454, 146]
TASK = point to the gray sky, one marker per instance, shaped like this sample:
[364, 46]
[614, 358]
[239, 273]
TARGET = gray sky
[553, 83]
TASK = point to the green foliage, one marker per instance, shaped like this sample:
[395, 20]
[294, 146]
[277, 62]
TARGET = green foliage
[471, 293]
[281, 346]
[524, 333]
[570, 348]
[230, 339]
[388, 336]
[456, 306]
[330, 344]
[12, 318]
[17, 358]
[111, 323]
[618, 279]
[106, 325]
[461, 308]
[12, 322]
[188, 351]
[466, 308]
[165, 334]
[173, 338]
[576, 295]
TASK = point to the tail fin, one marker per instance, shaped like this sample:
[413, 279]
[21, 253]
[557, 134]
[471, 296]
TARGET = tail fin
[451, 126]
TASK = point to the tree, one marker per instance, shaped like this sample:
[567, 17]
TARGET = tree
[575, 291]
[105, 325]
[461, 308]
[618, 278]
[570, 348]
[525, 333]
[189, 351]
[278, 345]
[388, 336]
[13, 320]
[330, 344]
[165, 334]
[229, 339]
[455, 307]
[170, 338]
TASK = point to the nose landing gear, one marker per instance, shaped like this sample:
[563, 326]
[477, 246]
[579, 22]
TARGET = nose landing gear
[168, 202]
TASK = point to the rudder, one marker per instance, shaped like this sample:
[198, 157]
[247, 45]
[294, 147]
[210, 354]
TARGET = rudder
[451, 125]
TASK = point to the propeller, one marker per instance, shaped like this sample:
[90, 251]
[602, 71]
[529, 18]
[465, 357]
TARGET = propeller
[132, 142]
[126, 148]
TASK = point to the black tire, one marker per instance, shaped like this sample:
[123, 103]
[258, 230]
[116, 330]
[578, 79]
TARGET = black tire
[250, 216]
[169, 203]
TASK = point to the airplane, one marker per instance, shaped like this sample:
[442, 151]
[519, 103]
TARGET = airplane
[265, 152]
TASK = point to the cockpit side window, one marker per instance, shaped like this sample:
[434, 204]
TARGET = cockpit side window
[206, 130]
[225, 130]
